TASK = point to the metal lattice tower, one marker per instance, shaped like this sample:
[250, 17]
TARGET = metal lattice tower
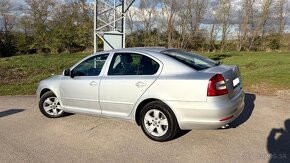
[110, 22]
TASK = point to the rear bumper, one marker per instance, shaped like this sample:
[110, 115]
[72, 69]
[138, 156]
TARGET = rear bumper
[207, 115]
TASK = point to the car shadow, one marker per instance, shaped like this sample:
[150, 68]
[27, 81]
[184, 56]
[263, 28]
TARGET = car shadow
[66, 114]
[10, 112]
[246, 113]
[278, 144]
[181, 133]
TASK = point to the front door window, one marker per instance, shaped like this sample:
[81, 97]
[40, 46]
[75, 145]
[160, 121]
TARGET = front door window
[91, 66]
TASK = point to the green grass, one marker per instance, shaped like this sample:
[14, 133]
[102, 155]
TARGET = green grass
[263, 72]
[19, 75]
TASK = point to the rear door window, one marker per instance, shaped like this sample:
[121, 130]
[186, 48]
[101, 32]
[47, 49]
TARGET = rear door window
[132, 64]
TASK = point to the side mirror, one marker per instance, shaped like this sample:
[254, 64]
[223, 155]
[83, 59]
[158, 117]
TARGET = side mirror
[68, 72]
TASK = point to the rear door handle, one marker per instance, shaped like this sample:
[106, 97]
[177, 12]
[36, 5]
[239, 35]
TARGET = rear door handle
[140, 84]
[93, 83]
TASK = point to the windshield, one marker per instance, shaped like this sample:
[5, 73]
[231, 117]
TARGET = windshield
[193, 60]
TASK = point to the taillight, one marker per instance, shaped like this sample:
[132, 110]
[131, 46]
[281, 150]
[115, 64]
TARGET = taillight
[217, 86]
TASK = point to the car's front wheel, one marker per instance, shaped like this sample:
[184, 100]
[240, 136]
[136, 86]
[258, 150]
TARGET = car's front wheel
[49, 105]
[158, 122]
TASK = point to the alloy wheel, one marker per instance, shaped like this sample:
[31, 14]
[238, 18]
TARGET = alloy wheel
[52, 106]
[156, 122]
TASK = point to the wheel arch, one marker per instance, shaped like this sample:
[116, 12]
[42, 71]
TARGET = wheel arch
[139, 108]
[146, 101]
[44, 90]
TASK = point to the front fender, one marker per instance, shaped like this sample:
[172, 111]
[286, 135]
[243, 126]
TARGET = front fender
[51, 84]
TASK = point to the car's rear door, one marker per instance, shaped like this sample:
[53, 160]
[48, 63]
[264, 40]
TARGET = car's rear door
[81, 93]
[128, 77]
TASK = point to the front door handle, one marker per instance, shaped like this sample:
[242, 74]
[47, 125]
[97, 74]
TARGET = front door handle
[93, 83]
[140, 84]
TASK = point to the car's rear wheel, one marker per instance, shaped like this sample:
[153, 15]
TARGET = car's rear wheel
[158, 122]
[49, 105]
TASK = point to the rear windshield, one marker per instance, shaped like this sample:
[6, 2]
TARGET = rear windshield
[193, 60]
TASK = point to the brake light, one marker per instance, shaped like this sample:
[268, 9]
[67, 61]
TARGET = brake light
[217, 86]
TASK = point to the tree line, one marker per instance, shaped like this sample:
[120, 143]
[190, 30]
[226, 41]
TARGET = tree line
[48, 26]
[45, 26]
[211, 25]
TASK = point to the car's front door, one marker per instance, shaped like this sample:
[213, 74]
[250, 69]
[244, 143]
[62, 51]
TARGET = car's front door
[79, 93]
[129, 76]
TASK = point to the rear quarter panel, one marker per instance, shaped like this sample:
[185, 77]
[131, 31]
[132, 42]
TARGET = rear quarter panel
[187, 87]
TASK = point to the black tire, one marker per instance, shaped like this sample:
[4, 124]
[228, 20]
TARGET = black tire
[43, 98]
[172, 127]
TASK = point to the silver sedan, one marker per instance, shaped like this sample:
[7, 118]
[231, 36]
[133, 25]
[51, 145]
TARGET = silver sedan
[162, 90]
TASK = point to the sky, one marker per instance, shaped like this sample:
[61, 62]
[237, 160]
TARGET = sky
[236, 5]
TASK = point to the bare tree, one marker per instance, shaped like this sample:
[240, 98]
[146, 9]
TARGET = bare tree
[147, 13]
[214, 27]
[198, 10]
[247, 7]
[266, 4]
[183, 19]
[262, 18]
[130, 21]
[170, 8]
[131, 16]
[280, 14]
[224, 14]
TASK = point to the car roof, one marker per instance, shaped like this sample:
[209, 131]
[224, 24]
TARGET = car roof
[145, 49]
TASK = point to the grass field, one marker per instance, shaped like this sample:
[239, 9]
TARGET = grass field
[262, 72]
[20, 75]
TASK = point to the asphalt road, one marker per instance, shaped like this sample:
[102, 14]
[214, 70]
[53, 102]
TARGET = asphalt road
[258, 135]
